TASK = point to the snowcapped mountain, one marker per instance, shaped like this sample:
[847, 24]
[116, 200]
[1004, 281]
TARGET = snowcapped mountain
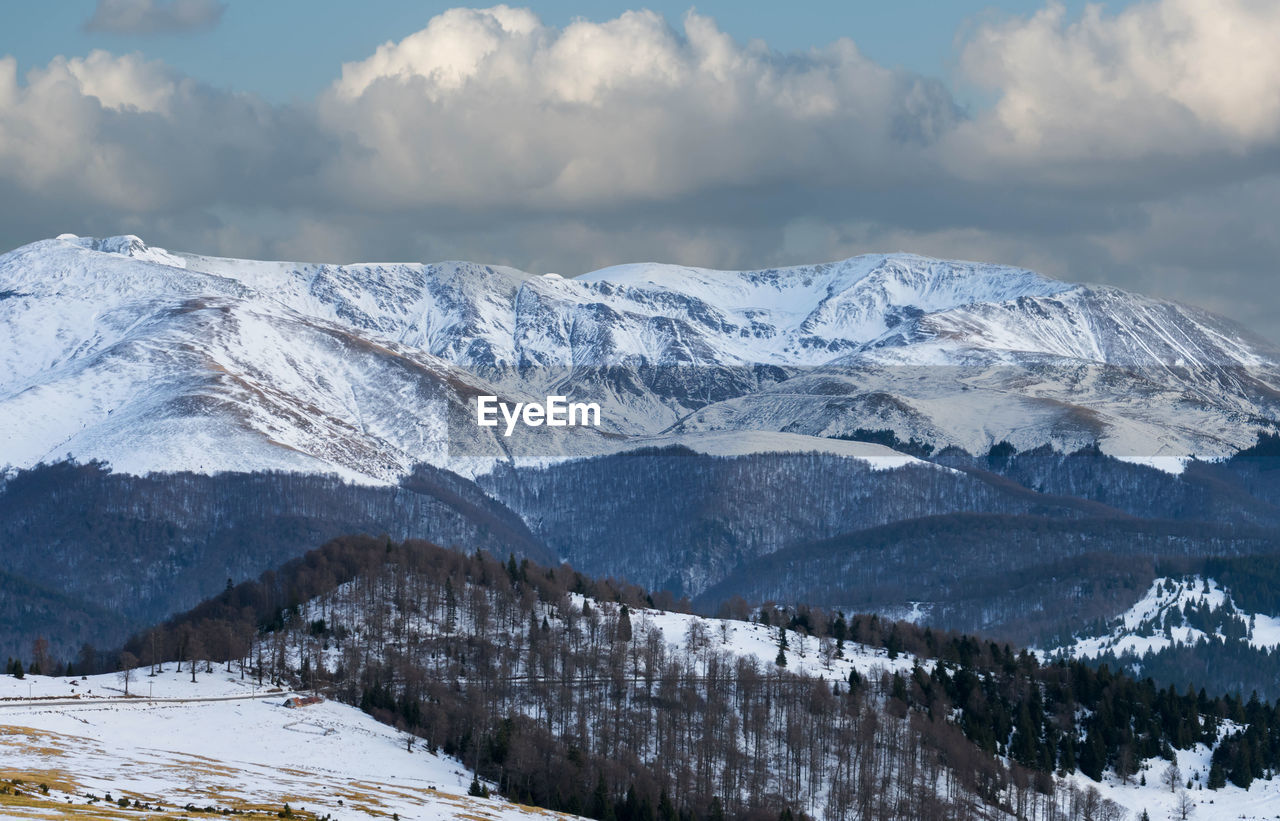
[1146, 380]
[115, 351]
[160, 361]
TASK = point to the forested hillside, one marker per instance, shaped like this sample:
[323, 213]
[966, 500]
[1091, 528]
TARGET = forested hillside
[1025, 578]
[91, 555]
[680, 520]
[575, 694]
[1230, 491]
[1020, 546]
[1193, 630]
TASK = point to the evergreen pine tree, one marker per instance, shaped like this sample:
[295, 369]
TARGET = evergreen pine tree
[1242, 768]
[899, 687]
[1023, 746]
[1217, 776]
[1093, 756]
[893, 644]
[630, 805]
[450, 607]
[624, 625]
[666, 810]
[601, 807]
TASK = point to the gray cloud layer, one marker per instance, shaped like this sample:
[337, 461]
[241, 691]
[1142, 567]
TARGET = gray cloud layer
[154, 16]
[1140, 149]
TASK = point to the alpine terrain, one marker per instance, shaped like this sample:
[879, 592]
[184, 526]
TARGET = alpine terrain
[977, 446]
[159, 361]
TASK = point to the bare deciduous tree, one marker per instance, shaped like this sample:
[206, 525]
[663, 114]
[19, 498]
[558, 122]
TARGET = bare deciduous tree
[128, 661]
[1184, 805]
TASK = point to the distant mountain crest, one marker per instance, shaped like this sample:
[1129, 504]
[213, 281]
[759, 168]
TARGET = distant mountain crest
[156, 360]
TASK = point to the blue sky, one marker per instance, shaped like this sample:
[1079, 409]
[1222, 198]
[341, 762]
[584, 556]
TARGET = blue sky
[290, 49]
[1134, 143]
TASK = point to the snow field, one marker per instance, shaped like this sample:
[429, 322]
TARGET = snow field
[246, 751]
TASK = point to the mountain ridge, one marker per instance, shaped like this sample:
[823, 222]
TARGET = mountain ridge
[157, 360]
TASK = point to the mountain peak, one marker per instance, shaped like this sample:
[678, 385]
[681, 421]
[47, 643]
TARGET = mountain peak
[125, 245]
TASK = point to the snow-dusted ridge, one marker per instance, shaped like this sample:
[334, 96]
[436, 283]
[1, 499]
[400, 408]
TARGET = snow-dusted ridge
[160, 361]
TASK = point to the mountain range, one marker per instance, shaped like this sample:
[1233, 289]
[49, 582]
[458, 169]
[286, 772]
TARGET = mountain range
[160, 361]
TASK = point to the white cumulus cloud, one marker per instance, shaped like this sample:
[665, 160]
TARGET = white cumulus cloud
[1174, 77]
[132, 137]
[491, 107]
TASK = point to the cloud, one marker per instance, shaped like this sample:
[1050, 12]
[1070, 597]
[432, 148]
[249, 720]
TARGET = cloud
[1140, 149]
[131, 138]
[127, 83]
[1168, 81]
[154, 16]
[487, 108]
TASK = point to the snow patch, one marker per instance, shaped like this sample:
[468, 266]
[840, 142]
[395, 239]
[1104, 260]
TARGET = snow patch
[1174, 465]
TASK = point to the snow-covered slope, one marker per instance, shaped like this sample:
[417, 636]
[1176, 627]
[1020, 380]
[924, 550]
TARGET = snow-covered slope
[114, 351]
[806, 314]
[1175, 612]
[165, 361]
[221, 742]
[1143, 379]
